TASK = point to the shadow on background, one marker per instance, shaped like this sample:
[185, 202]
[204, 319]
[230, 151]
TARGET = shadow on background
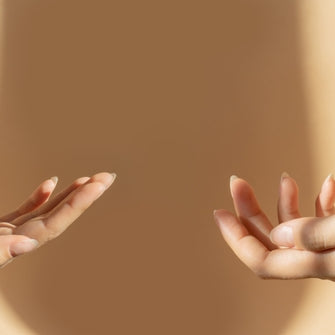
[174, 97]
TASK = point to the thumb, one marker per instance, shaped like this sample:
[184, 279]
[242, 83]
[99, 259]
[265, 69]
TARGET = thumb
[310, 233]
[15, 245]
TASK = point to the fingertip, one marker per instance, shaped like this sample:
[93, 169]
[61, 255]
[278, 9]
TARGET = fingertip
[284, 175]
[220, 215]
[23, 246]
[215, 214]
[54, 180]
[232, 178]
[231, 182]
[329, 179]
[81, 181]
[47, 187]
[108, 180]
[105, 178]
[218, 212]
[111, 179]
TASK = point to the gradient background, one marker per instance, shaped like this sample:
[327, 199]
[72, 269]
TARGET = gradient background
[173, 96]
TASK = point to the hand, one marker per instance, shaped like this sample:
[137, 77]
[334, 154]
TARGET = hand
[38, 220]
[299, 247]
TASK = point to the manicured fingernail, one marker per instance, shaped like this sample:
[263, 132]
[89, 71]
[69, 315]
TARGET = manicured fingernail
[284, 175]
[232, 178]
[215, 217]
[111, 181]
[330, 177]
[282, 236]
[23, 247]
[54, 179]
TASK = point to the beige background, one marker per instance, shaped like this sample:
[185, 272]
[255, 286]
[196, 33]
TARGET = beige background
[174, 96]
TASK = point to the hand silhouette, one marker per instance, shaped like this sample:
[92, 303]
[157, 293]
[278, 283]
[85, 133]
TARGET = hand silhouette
[38, 220]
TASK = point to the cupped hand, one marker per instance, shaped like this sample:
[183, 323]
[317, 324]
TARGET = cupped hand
[39, 219]
[299, 247]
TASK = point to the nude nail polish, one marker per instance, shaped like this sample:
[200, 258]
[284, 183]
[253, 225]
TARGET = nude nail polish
[284, 175]
[216, 214]
[54, 179]
[111, 181]
[232, 178]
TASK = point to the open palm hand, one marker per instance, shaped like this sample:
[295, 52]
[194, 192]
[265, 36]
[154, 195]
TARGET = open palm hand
[39, 219]
[299, 247]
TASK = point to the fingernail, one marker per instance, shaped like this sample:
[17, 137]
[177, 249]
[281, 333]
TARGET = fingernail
[330, 177]
[23, 247]
[282, 236]
[54, 179]
[215, 217]
[232, 178]
[327, 180]
[284, 175]
[215, 212]
[111, 181]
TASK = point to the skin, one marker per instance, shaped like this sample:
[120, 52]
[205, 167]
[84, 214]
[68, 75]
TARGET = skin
[39, 220]
[251, 235]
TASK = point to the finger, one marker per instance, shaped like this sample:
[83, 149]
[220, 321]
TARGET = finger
[249, 211]
[14, 245]
[59, 218]
[40, 195]
[275, 264]
[6, 228]
[315, 234]
[247, 247]
[288, 203]
[51, 203]
[289, 263]
[324, 205]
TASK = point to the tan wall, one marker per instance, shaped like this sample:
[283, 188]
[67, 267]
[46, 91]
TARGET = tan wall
[174, 96]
